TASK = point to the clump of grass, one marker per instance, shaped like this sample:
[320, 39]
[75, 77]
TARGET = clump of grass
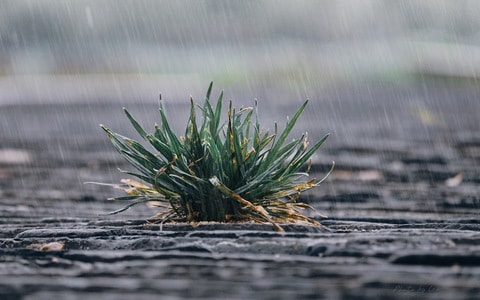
[219, 171]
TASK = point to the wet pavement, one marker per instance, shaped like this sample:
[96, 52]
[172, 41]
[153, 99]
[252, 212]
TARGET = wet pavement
[403, 204]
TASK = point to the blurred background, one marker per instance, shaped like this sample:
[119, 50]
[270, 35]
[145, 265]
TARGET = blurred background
[395, 82]
[76, 50]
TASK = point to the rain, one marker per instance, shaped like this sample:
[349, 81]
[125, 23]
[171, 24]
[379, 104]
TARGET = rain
[394, 83]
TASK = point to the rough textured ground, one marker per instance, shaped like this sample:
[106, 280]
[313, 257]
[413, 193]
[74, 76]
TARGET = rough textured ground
[403, 207]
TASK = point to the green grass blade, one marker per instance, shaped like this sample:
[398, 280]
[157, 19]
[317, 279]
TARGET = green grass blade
[218, 171]
[136, 125]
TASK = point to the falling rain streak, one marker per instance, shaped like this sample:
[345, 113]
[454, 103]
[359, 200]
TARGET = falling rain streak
[395, 83]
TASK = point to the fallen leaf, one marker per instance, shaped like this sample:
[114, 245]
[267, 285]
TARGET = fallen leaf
[455, 180]
[370, 175]
[54, 246]
[342, 175]
[5, 173]
[366, 175]
[14, 156]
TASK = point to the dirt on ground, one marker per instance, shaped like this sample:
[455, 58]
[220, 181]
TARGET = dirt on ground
[402, 206]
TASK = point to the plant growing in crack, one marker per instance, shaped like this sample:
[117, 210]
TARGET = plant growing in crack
[219, 171]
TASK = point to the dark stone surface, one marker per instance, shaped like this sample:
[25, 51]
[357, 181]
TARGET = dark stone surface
[402, 205]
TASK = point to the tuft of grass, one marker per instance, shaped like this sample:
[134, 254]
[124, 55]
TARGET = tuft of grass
[224, 171]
